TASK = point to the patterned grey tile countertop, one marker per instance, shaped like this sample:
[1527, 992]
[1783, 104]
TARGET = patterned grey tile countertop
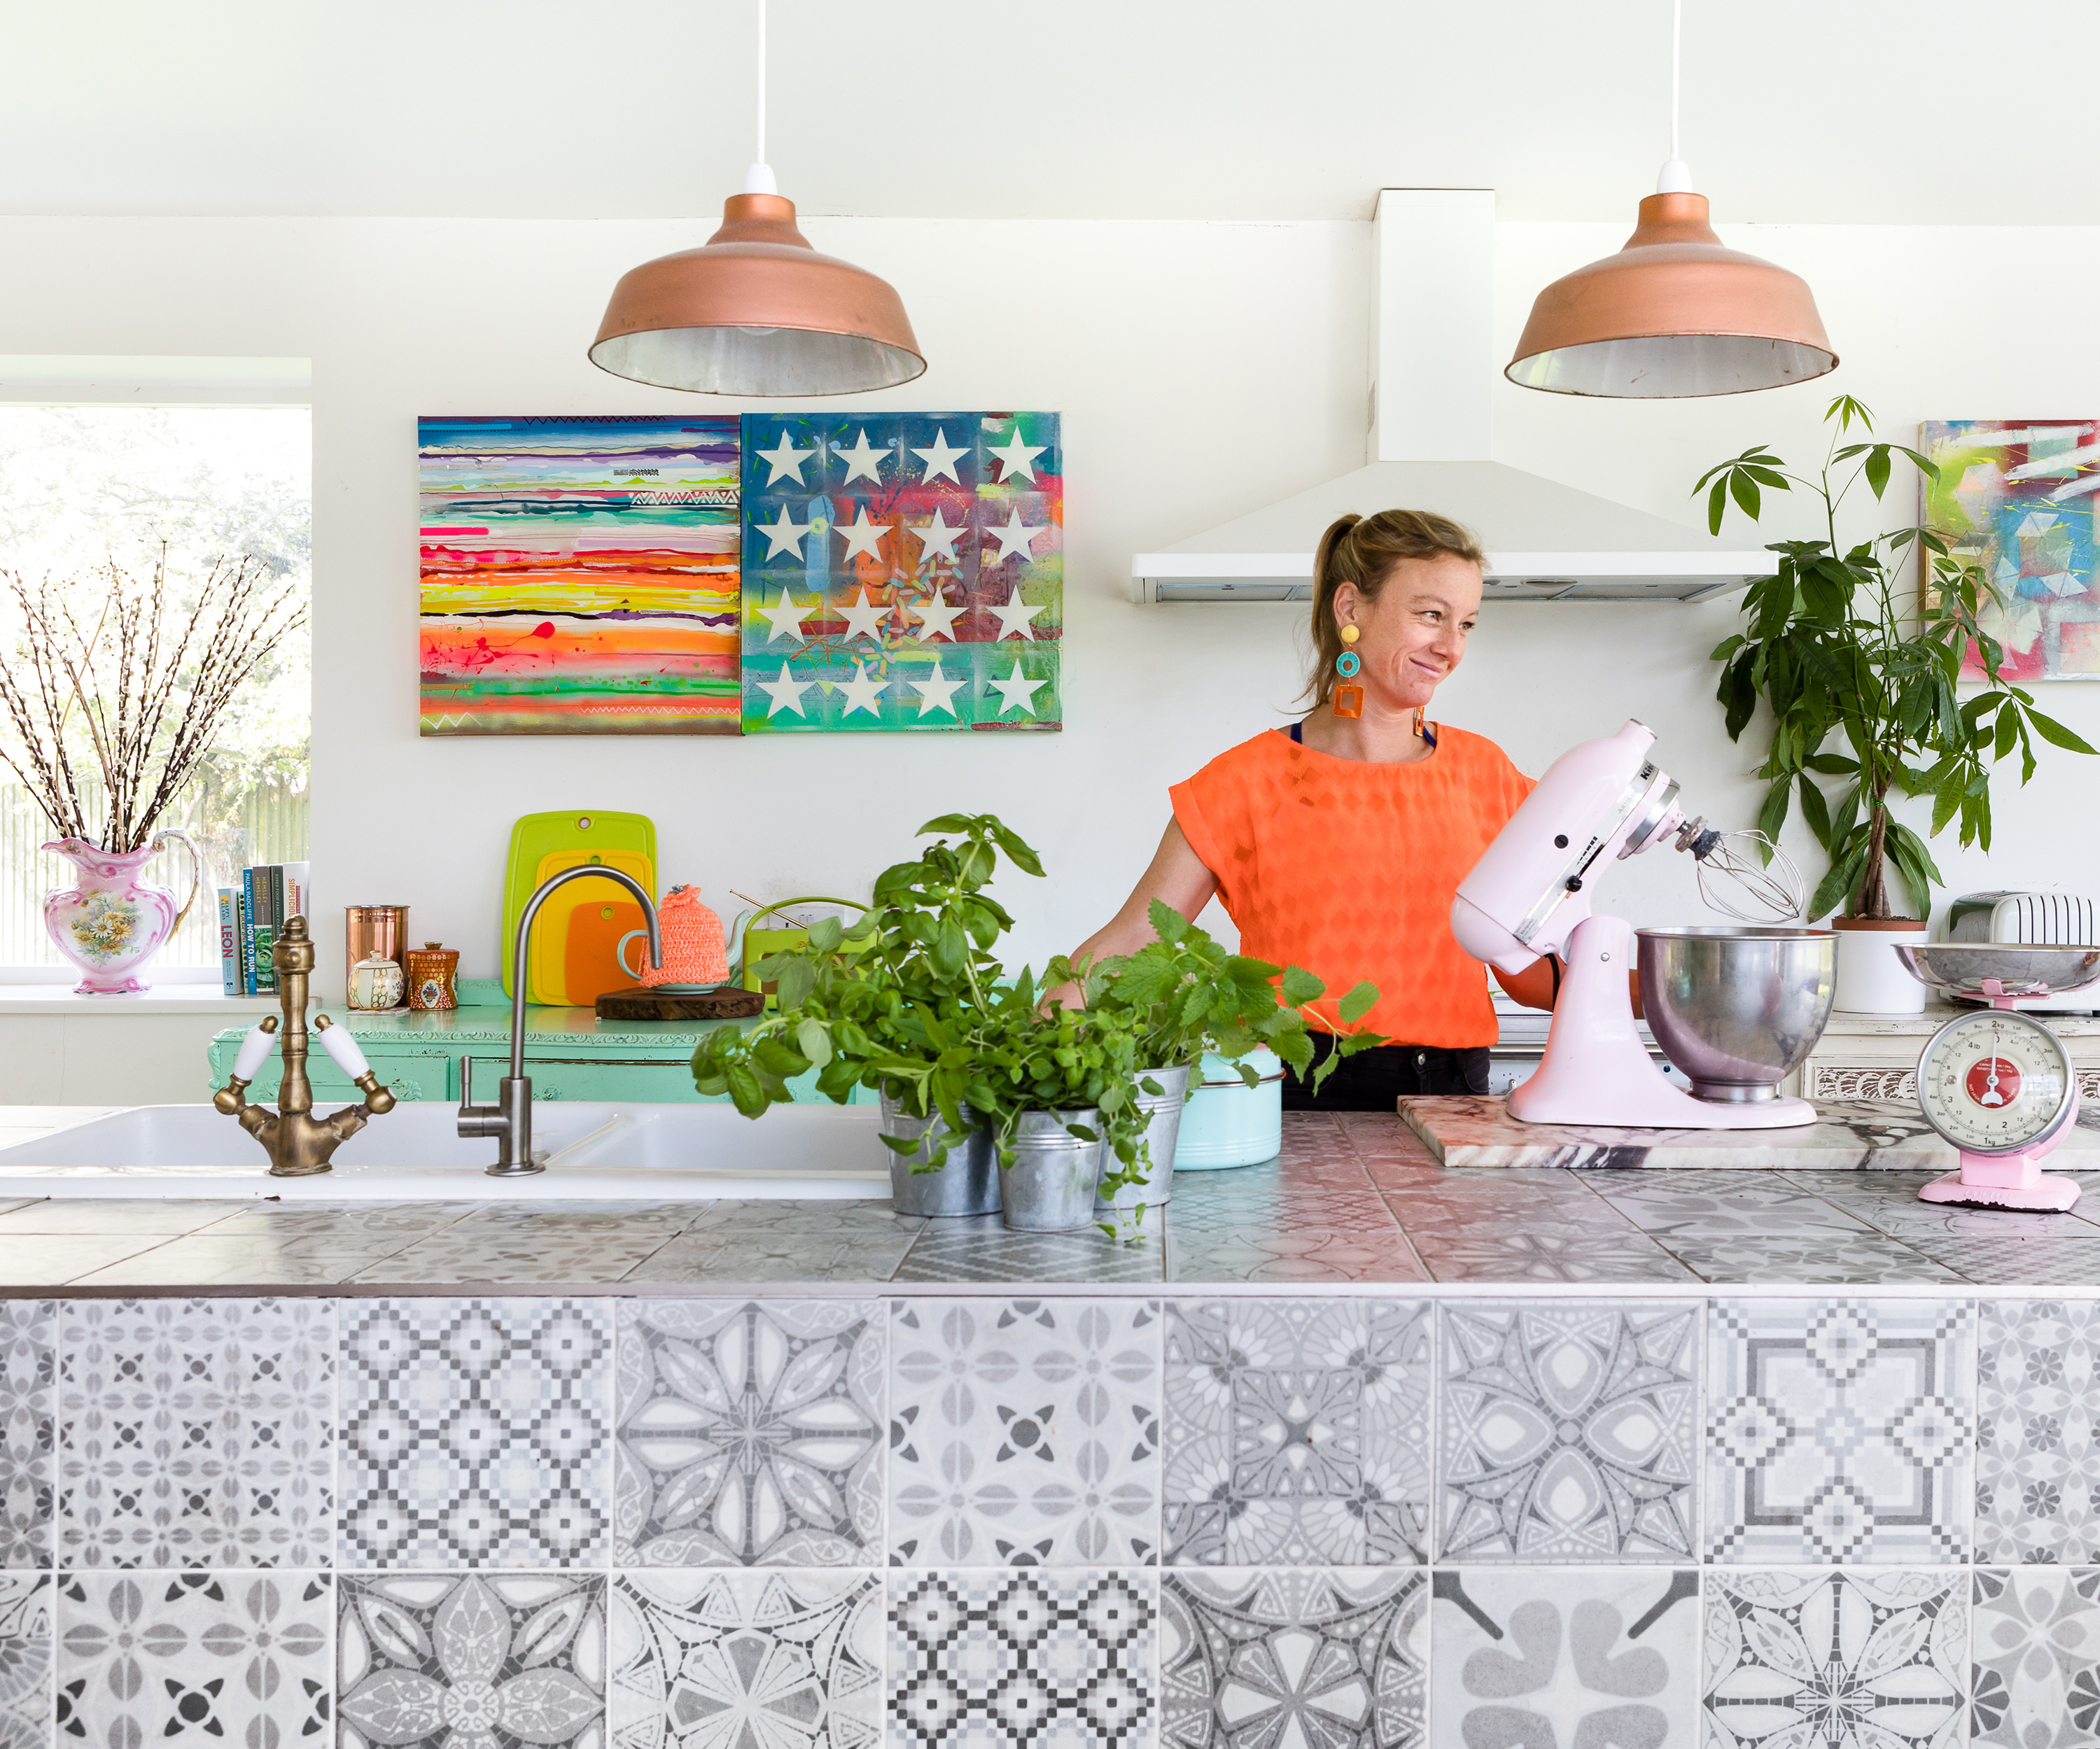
[1354, 1199]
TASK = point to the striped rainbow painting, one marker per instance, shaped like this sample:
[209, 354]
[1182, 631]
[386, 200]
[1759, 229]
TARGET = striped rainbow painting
[580, 576]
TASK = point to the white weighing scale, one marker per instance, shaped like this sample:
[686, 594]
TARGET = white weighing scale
[1998, 1083]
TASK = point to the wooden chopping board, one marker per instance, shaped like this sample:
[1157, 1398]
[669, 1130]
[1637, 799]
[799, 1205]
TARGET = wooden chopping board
[724, 1002]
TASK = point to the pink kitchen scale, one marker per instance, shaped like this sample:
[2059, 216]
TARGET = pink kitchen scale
[1996, 1082]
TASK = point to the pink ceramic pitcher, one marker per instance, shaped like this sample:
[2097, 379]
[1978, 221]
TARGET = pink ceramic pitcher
[110, 922]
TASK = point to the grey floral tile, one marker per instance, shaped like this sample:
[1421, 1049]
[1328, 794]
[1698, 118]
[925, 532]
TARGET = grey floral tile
[1836, 1660]
[200, 1261]
[1296, 1432]
[1546, 1253]
[747, 1660]
[979, 1249]
[713, 1256]
[197, 1432]
[846, 1218]
[1840, 1431]
[750, 1434]
[338, 1222]
[1335, 1658]
[1036, 1659]
[1763, 1208]
[423, 1661]
[476, 1432]
[1214, 1208]
[1023, 1433]
[525, 1256]
[2025, 1263]
[1566, 1655]
[25, 1660]
[1570, 1431]
[1831, 1257]
[1292, 1255]
[50, 1260]
[241, 1658]
[2034, 1658]
[29, 1430]
[2038, 1433]
[104, 1217]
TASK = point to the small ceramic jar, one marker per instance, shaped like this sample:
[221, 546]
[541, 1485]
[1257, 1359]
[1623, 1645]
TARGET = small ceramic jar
[433, 977]
[375, 983]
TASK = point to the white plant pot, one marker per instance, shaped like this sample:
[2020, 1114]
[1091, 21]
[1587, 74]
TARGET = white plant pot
[1871, 979]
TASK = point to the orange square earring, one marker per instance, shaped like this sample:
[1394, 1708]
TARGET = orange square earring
[1347, 698]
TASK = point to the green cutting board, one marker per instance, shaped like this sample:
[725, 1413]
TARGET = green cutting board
[538, 835]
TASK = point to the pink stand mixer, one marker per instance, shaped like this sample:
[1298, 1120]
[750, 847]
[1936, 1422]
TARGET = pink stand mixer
[1529, 895]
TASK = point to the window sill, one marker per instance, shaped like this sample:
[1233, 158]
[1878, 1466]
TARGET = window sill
[167, 998]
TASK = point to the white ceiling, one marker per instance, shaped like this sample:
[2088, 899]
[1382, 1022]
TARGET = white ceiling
[1887, 111]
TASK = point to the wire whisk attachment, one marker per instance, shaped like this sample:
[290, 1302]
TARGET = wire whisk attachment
[1753, 880]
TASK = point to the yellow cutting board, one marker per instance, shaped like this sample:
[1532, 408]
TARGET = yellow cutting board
[550, 976]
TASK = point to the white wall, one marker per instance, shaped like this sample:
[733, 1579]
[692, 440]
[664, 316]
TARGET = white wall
[1202, 370]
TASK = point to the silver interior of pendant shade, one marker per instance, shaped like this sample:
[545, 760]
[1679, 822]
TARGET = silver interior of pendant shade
[768, 361]
[1668, 366]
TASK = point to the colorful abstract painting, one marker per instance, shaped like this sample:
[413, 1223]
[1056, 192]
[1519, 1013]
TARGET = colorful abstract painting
[2015, 496]
[902, 572]
[580, 576]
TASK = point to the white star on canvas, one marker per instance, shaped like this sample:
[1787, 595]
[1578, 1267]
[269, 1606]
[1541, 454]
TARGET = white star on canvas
[1019, 457]
[863, 462]
[785, 535]
[864, 618]
[937, 539]
[787, 692]
[1016, 538]
[863, 692]
[1017, 690]
[935, 691]
[787, 459]
[940, 460]
[860, 534]
[786, 617]
[1014, 617]
[939, 616]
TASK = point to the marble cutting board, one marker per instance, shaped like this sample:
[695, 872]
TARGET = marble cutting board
[1466, 1130]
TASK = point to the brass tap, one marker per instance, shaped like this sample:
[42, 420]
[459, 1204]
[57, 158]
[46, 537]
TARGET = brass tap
[298, 1144]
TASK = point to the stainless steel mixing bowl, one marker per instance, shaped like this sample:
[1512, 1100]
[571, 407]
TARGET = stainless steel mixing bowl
[1959, 968]
[1736, 1009]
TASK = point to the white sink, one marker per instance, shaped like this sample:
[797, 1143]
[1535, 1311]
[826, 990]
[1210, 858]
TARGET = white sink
[649, 1153]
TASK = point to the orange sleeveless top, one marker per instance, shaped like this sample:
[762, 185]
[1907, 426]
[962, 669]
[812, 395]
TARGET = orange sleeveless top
[1347, 869]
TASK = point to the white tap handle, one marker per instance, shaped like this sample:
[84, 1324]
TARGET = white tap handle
[342, 1049]
[255, 1049]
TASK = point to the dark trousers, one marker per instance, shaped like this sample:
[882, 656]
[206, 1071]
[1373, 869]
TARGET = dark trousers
[1373, 1081]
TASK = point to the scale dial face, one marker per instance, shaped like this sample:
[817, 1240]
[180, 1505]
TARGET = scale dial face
[1995, 1082]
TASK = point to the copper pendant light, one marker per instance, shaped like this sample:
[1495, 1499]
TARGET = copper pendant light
[1674, 313]
[755, 311]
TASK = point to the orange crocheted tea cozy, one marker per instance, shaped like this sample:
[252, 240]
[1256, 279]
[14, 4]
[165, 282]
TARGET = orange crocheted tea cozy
[694, 951]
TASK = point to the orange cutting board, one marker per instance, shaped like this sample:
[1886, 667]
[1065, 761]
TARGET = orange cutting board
[570, 963]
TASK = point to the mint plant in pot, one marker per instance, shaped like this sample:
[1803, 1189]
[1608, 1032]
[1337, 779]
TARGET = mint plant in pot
[1861, 670]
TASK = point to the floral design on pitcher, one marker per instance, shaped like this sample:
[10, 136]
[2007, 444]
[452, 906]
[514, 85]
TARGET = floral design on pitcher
[106, 926]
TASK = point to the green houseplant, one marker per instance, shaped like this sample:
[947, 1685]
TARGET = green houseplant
[1863, 677]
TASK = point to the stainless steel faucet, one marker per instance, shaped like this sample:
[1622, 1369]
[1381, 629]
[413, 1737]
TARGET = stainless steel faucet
[509, 1120]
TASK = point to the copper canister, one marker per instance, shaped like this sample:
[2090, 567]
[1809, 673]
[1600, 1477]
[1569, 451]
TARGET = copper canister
[433, 977]
[374, 932]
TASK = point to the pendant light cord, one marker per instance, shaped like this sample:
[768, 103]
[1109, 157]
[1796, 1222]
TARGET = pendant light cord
[761, 157]
[1676, 177]
[758, 179]
[1676, 68]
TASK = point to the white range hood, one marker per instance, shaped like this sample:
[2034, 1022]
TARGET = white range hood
[1434, 372]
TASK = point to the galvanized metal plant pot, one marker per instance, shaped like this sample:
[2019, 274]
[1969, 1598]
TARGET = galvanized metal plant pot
[1162, 1130]
[1050, 1187]
[966, 1183]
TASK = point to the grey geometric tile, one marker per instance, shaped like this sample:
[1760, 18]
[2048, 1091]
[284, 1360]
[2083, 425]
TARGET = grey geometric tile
[110, 1218]
[1570, 1431]
[1294, 1254]
[527, 1256]
[1464, 1213]
[1840, 1431]
[425, 1661]
[2021, 1262]
[197, 1261]
[845, 1218]
[475, 1433]
[2035, 1657]
[2038, 1432]
[1296, 1432]
[196, 1433]
[1209, 1208]
[1563, 1655]
[1533, 1253]
[576, 1219]
[747, 1660]
[340, 1222]
[238, 1658]
[29, 1430]
[749, 1433]
[1024, 1432]
[713, 1256]
[1826, 1258]
[1335, 1657]
[1757, 1209]
[25, 1660]
[33, 1260]
[979, 1249]
[1836, 1660]
[1917, 1223]
[1015, 1660]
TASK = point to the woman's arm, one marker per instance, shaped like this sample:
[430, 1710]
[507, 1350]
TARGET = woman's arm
[1177, 876]
[1538, 985]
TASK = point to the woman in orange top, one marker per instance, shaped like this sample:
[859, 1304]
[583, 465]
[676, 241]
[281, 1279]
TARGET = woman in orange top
[1336, 844]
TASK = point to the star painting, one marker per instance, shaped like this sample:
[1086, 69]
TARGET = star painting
[902, 572]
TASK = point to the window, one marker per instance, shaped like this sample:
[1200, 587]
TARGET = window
[82, 486]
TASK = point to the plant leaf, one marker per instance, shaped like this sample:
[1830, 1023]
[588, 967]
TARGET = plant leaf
[1358, 1003]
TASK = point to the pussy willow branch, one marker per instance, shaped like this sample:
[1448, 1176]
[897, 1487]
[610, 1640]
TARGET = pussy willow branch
[149, 687]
